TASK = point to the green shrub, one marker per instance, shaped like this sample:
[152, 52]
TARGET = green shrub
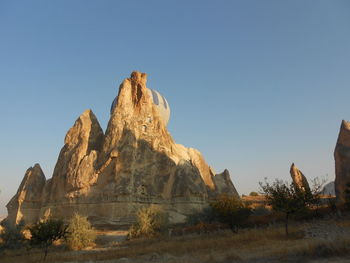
[204, 216]
[11, 237]
[45, 233]
[231, 211]
[254, 194]
[150, 221]
[80, 234]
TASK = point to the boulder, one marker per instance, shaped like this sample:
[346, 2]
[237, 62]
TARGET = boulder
[342, 162]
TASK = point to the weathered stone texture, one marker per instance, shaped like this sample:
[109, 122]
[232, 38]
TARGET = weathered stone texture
[26, 203]
[342, 162]
[299, 178]
[108, 177]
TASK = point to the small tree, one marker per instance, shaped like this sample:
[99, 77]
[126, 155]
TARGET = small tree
[254, 194]
[285, 198]
[80, 234]
[231, 211]
[150, 221]
[45, 233]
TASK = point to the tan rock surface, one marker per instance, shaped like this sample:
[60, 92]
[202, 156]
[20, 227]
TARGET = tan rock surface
[26, 203]
[136, 163]
[298, 178]
[342, 161]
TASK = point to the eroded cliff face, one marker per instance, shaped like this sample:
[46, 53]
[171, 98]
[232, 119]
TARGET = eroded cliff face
[342, 162]
[108, 177]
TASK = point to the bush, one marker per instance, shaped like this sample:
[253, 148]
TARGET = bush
[45, 233]
[12, 236]
[261, 211]
[204, 216]
[80, 234]
[150, 222]
[254, 194]
[231, 211]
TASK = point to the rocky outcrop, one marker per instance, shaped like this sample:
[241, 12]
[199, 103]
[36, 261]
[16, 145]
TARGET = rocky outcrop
[26, 203]
[328, 189]
[76, 164]
[342, 162]
[223, 184]
[108, 177]
[299, 179]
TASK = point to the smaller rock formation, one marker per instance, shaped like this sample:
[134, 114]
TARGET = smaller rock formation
[342, 162]
[299, 179]
[328, 189]
[26, 203]
[224, 184]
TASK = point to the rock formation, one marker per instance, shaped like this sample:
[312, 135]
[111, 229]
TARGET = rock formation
[26, 203]
[328, 189]
[299, 179]
[342, 162]
[108, 177]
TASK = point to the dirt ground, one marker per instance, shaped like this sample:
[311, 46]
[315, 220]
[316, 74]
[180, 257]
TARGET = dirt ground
[314, 241]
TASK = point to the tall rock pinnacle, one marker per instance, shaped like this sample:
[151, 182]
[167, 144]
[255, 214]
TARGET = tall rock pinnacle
[299, 179]
[26, 203]
[342, 162]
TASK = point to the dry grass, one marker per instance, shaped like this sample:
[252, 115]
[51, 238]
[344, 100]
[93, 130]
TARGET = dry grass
[269, 244]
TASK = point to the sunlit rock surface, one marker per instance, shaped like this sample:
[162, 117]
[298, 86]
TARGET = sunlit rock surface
[108, 177]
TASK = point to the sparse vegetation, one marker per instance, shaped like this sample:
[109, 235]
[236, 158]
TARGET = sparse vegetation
[43, 234]
[231, 211]
[253, 194]
[11, 237]
[80, 234]
[284, 198]
[204, 216]
[268, 244]
[151, 221]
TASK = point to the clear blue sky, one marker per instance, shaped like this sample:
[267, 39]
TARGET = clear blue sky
[254, 85]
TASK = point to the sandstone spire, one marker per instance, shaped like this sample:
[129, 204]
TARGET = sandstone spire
[75, 167]
[299, 179]
[342, 161]
[26, 203]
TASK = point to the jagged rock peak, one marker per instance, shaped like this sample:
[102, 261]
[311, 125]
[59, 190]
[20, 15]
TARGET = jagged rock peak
[223, 184]
[139, 77]
[342, 162]
[86, 126]
[75, 167]
[27, 201]
[298, 178]
[345, 125]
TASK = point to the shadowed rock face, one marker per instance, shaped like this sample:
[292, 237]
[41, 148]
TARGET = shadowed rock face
[108, 177]
[299, 179]
[342, 161]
